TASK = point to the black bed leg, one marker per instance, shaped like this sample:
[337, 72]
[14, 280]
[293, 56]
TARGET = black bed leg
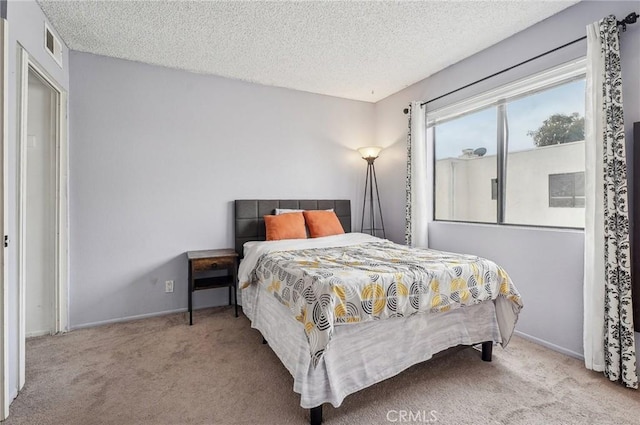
[315, 415]
[487, 348]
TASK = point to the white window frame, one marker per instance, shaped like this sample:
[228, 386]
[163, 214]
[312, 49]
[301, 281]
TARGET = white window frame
[498, 97]
[540, 81]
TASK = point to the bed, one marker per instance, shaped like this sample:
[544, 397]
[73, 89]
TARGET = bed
[334, 347]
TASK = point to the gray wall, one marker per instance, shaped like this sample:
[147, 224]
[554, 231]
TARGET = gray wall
[158, 155]
[546, 265]
[26, 27]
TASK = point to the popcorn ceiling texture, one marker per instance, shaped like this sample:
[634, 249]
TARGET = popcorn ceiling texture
[356, 50]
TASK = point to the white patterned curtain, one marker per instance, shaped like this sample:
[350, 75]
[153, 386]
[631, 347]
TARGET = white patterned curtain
[608, 314]
[419, 185]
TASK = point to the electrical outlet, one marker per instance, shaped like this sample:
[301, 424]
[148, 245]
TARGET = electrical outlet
[168, 286]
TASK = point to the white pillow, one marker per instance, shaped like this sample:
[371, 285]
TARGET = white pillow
[287, 210]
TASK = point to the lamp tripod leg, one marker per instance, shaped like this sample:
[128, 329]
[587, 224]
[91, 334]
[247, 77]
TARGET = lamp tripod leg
[364, 200]
[375, 179]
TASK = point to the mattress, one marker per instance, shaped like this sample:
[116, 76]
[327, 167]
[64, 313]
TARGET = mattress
[365, 353]
[361, 354]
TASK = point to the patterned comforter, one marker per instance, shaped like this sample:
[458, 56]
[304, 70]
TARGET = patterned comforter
[328, 287]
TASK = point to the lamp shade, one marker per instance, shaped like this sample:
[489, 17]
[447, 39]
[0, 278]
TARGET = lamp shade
[369, 152]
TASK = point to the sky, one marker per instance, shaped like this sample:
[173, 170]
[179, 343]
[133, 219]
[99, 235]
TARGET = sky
[479, 129]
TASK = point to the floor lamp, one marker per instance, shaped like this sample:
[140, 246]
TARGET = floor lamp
[370, 154]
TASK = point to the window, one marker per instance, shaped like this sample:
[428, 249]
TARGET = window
[494, 189]
[566, 190]
[527, 140]
[459, 195]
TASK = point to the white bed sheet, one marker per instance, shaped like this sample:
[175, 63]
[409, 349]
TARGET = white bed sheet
[363, 354]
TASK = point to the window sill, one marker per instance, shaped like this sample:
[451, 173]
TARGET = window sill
[512, 226]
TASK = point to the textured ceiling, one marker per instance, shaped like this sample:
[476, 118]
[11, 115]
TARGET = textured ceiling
[356, 50]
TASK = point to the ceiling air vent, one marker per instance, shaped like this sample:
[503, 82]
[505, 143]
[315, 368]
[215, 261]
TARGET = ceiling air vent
[52, 44]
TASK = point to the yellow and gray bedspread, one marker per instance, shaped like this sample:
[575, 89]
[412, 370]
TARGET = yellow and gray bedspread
[325, 287]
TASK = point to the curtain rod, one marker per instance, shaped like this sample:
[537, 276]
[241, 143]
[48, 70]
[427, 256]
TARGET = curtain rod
[631, 18]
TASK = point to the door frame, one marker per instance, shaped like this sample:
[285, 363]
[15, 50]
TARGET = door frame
[4, 287]
[61, 250]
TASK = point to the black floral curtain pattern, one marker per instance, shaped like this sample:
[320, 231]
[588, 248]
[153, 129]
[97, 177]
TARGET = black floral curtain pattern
[619, 344]
[419, 183]
[407, 227]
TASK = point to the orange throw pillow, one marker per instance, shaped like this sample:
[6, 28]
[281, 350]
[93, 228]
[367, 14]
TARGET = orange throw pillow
[285, 226]
[322, 223]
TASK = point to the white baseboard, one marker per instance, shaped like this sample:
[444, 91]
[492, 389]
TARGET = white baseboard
[37, 333]
[143, 316]
[128, 318]
[553, 347]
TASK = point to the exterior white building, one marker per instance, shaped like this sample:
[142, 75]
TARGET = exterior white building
[544, 186]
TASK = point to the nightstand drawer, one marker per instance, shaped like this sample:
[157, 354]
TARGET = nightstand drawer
[206, 264]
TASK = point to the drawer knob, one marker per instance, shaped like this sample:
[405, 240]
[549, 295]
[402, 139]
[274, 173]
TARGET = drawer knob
[214, 265]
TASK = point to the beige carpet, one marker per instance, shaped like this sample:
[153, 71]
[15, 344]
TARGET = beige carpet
[162, 371]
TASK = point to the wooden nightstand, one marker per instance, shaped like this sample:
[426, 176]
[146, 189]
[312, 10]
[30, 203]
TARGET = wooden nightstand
[213, 268]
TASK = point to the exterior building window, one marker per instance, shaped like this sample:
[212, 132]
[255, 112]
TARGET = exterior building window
[527, 139]
[566, 190]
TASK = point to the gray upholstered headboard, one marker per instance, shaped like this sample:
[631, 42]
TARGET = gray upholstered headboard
[249, 221]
